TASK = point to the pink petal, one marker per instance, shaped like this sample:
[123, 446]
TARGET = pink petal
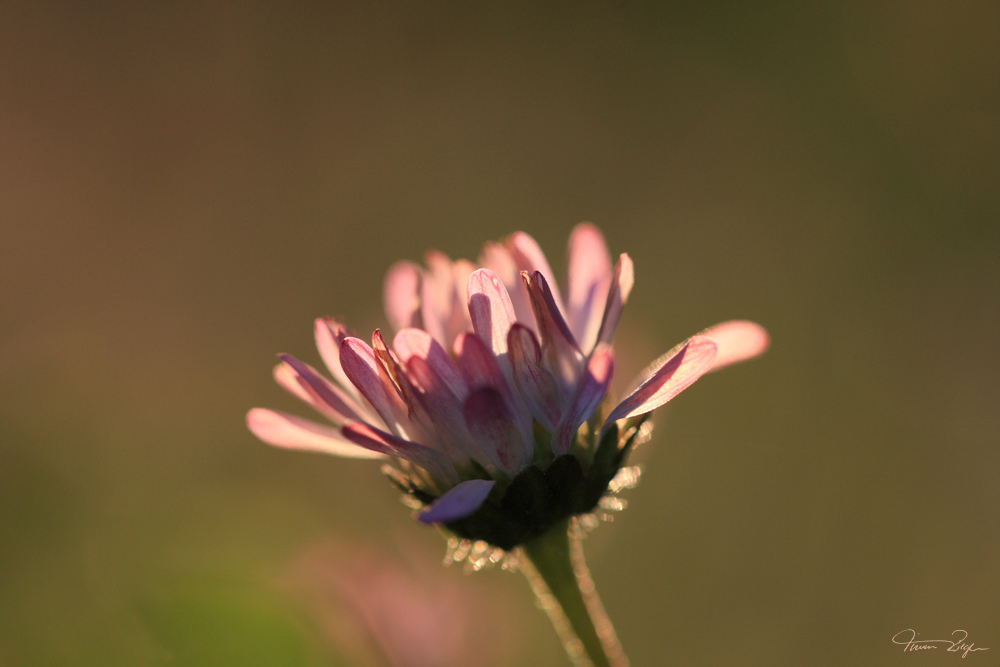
[477, 364]
[560, 353]
[589, 393]
[588, 276]
[329, 335]
[410, 343]
[490, 309]
[363, 369]
[480, 369]
[401, 295]
[288, 379]
[737, 341]
[443, 410]
[291, 432]
[498, 259]
[491, 423]
[693, 360]
[439, 390]
[391, 372]
[434, 462]
[621, 287]
[529, 257]
[326, 397]
[538, 387]
[459, 502]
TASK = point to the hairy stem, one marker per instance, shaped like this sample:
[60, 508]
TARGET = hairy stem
[561, 581]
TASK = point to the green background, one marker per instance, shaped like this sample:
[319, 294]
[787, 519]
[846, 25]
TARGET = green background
[184, 187]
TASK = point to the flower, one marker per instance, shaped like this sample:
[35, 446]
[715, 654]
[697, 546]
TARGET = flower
[492, 401]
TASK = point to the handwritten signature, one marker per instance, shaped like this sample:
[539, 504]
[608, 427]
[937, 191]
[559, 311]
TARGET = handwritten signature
[914, 644]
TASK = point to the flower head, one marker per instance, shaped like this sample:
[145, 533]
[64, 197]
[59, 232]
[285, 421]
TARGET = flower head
[491, 402]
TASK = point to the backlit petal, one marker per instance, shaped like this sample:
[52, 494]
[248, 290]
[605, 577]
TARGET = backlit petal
[443, 410]
[689, 363]
[529, 257]
[329, 335]
[362, 368]
[291, 432]
[737, 341]
[490, 309]
[434, 462]
[591, 389]
[460, 320]
[588, 275]
[560, 353]
[480, 369]
[489, 419]
[410, 343]
[537, 386]
[498, 259]
[401, 295]
[437, 295]
[329, 399]
[621, 287]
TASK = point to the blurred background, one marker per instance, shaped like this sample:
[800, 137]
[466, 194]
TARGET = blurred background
[184, 187]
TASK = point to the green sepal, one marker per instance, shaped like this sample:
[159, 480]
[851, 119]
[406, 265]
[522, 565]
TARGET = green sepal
[564, 477]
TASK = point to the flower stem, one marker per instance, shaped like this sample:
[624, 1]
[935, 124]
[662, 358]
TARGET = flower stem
[561, 581]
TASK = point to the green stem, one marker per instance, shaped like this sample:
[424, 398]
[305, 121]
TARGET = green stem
[561, 581]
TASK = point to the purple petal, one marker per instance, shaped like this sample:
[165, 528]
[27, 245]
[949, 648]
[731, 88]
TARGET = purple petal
[538, 388]
[693, 360]
[363, 369]
[489, 419]
[319, 392]
[434, 462]
[589, 393]
[329, 335]
[588, 276]
[401, 295]
[291, 432]
[621, 287]
[560, 353]
[490, 309]
[737, 341]
[459, 502]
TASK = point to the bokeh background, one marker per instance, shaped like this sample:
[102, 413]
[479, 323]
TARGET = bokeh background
[185, 186]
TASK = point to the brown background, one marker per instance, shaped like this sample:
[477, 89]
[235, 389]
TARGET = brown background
[183, 188]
